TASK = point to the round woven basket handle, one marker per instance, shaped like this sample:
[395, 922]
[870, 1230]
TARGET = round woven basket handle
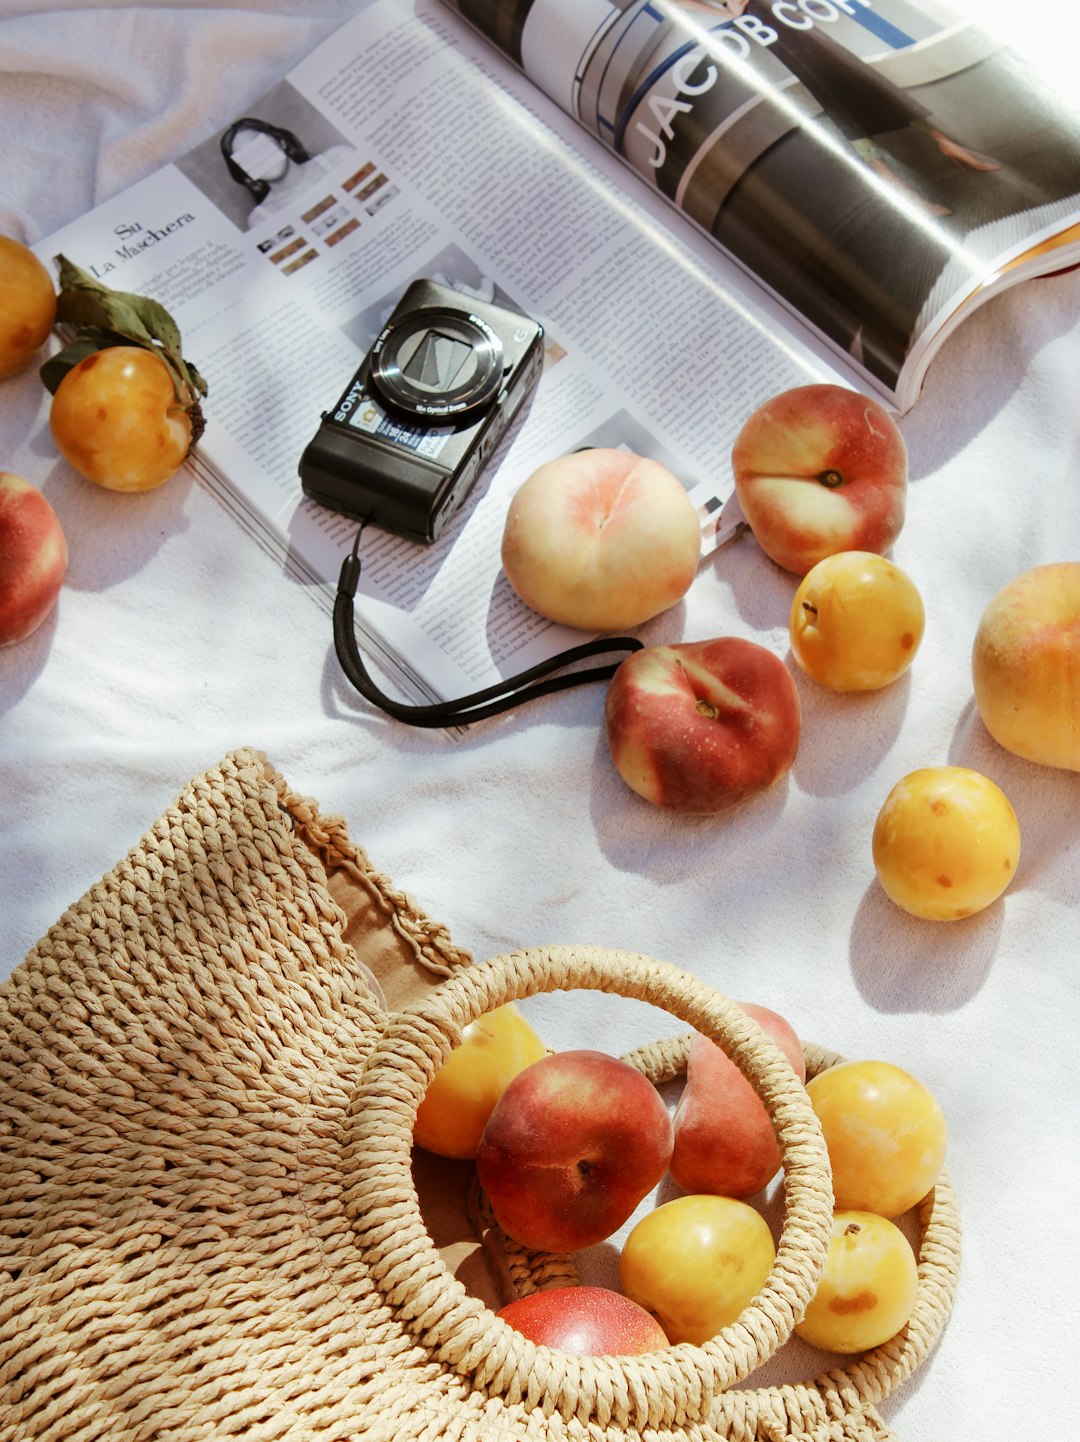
[671, 1387]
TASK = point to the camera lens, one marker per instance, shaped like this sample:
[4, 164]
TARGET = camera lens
[437, 363]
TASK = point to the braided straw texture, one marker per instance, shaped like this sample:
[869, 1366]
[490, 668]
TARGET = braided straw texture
[209, 1227]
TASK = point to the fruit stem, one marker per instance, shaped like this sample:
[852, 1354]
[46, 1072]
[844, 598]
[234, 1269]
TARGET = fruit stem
[831, 478]
[198, 420]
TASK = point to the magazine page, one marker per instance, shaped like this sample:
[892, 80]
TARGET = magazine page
[282, 244]
[875, 163]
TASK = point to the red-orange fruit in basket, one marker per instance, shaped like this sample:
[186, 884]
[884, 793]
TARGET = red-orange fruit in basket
[585, 1321]
[724, 1140]
[575, 1142]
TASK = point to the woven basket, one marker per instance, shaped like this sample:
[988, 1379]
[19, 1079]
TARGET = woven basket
[211, 1224]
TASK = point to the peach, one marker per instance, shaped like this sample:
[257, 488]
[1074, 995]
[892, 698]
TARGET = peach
[27, 306]
[820, 469]
[1025, 664]
[33, 558]
[573, 1145]
[700, 725]
[601, 540]
[724, 1141]
[585, 1322]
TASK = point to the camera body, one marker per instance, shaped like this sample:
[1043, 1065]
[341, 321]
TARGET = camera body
[405, 443]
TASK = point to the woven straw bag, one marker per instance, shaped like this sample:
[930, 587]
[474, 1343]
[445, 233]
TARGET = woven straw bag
[211, 1225]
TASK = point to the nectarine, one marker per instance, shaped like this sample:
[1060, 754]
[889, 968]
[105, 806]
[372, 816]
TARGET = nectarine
[585, 1322]
[573, 1145]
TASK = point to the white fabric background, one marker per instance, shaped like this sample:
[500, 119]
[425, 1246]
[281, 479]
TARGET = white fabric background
[176, 639]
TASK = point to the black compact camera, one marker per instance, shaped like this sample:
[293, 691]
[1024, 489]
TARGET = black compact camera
[404, 445]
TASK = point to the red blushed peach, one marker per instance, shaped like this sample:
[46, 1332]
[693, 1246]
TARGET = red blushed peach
[700, 725]
[821, 469]
[33, 558]
[573, 1145]
[585, 1322]
[724, 1141]
[601, 540]
[1025, 664]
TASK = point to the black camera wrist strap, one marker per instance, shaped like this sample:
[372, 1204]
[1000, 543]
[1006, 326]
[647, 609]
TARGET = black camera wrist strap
[492, 700]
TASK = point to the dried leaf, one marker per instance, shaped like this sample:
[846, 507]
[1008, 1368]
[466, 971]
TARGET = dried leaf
[124, 318]
[87, 341]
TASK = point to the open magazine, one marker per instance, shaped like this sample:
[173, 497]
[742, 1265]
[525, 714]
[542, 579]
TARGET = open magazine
[879, 165]
[679, 193]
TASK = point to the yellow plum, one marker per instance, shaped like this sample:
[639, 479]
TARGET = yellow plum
[946, 843]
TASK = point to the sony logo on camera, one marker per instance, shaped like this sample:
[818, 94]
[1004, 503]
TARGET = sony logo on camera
[345, 405]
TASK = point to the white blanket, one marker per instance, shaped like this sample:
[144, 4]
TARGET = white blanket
[176, 638]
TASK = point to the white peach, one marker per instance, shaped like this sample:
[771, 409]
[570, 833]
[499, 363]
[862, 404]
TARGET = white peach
[601, 540]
